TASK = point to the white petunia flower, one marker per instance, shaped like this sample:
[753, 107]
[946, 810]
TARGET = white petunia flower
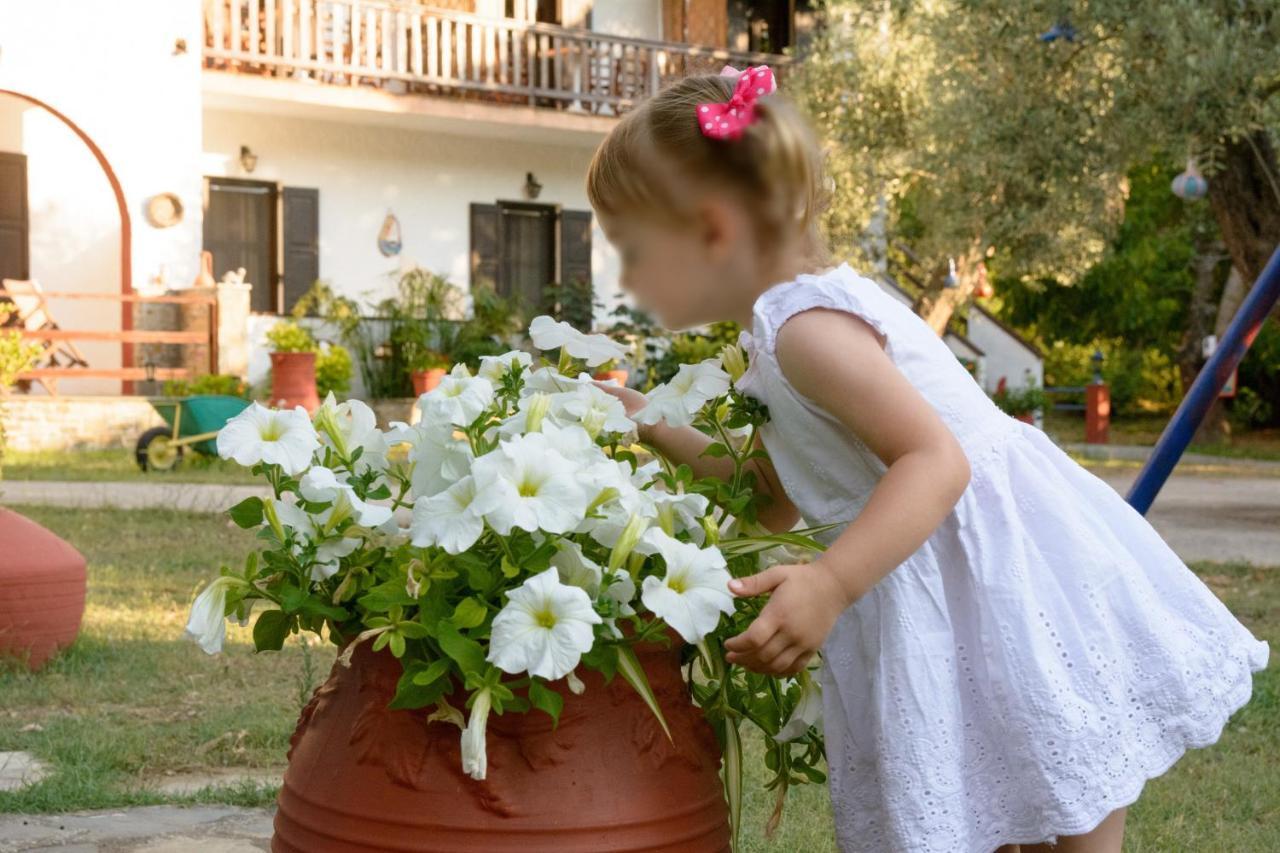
[548, 380]
[207, 624]
[354, 425]
[321, 485]
[694, 591]
[677, 401]
[527, 483]
[448, 519]
[494, 367]
[597, 411]
[544, 629]
[277, 437]
[576, 569]
[547, 333]
[808, 712]
[458, 399]
[682, 512]
[439, 458]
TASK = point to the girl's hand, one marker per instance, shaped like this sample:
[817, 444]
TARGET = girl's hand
[804, 601]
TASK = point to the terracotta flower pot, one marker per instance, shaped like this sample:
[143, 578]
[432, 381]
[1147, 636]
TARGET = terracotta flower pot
[365, 778]
[606, 375]
[293, 380]
[42, 587]
[426, 380]
[1027, 418]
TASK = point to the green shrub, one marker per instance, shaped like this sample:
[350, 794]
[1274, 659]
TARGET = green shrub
[288, 336]
[333, 370]
[1141, 380]
[209, 383]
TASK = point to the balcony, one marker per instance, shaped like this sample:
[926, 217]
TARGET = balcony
[400, 49]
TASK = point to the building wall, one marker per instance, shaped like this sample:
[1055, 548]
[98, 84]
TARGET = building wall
[1005, 355]
[630, 18]
[116, 75]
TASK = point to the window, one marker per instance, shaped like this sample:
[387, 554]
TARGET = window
[14, 237]
[522, 250]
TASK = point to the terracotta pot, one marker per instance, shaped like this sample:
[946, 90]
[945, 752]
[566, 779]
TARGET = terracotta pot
[427, 380]
[365, 778]
[1027, 418]
[293, 380]
[605, 375]
[42, 587]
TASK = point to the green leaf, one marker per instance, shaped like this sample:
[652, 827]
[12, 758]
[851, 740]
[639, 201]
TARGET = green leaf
[715, 449]
[733, 776]
[422, 676]
[384, 596]
[469, 613]
[396, 642]
[631, 670]
[467, 652]
[318, 606]
[410, 694]
[509, 569]
[247, 513]
[291, 598]
[479, 576]
[546, 699]
[270, 630]
[413, 630]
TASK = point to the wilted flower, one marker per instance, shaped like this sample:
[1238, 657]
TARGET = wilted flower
[475, 758]
[808, 712]
[277, 437]
[548, 333]
[207, 624]
[544, 629]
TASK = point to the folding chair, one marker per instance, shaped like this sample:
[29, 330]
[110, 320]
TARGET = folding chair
[32, 314]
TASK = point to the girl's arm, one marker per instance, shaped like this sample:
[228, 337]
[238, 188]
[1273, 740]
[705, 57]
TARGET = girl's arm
[838, 361]
[685, 444]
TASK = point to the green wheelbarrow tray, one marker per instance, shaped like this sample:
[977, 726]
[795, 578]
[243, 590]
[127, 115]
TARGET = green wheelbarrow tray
[192, 422]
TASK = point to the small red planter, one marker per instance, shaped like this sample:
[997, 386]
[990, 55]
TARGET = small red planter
[42, 587]
[363, 778]
[605, 375]
[1027, 418]
[293, 380]
[426, 380]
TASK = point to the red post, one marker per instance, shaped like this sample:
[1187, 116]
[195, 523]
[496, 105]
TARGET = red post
[1097, 413]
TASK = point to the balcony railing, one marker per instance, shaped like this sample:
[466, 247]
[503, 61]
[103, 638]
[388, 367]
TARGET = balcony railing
[414, 49]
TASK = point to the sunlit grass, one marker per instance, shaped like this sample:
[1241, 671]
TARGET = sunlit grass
[117, 465]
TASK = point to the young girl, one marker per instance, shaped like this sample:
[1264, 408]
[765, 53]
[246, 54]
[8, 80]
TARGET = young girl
[1009, 651]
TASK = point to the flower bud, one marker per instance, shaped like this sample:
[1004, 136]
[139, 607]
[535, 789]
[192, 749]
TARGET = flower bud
[536, 408]
[733, 361]
[627, 541]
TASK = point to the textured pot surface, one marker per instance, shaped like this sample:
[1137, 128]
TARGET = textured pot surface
[293, 380]
[426, 380]
[42, 587]
[364, 778]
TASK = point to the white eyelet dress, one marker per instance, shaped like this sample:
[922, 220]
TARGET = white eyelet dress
[1039, 658]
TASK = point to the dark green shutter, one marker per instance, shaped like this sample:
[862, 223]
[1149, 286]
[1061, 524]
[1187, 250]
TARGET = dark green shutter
[485, 245]
[14, 227]
[575, 260]
[301, 242]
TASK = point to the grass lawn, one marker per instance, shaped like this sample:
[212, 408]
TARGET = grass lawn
[132, 701]
[118, 465]
[1068, 427]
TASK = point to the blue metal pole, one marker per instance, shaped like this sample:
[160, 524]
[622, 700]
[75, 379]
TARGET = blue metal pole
[1204, 390]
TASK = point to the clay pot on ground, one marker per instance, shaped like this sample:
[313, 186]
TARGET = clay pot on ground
[362, 777]
[42, 588]
[293, 380]
[606, 375]
[427, 380]
[1027, 418]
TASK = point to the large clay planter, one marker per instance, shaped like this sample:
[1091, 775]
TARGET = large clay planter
[363, 778]
[606, 375]
[426, 380]
[42, 586]
[293, 380]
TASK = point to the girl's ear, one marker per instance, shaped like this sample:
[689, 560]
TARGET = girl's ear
[720, 227]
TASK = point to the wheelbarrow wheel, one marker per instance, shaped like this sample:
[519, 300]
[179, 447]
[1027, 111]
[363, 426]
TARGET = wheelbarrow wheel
[157, 451]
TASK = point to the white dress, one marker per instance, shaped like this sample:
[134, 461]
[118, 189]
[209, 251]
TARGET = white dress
[1039, 658]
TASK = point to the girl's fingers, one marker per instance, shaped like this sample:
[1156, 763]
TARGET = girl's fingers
[757, 634]
[764, 659]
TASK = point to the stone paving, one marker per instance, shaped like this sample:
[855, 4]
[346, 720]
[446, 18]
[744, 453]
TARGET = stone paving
[145, 829]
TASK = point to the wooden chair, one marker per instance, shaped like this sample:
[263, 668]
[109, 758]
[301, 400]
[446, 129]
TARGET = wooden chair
[32, 314]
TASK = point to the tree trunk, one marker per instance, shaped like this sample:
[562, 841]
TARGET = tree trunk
[1245, 196]
[1201, 318]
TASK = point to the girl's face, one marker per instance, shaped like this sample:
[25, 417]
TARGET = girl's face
[686, 274]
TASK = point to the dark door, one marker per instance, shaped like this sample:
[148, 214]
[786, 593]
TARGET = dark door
[240, 231]
[528, 259]
[14, 261]
[301, 242]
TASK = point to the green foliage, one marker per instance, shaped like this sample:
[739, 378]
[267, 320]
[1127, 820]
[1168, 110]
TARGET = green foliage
[333, 370]
[1020, 401]
[289, 336]
[664, 351]
[1140, 380]
[16, 355]
[224, 384]
[1258, 402]
[572, 303]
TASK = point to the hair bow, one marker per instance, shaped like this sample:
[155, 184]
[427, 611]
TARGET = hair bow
[728, 120]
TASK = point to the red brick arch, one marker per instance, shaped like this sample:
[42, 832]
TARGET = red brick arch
[126, 228]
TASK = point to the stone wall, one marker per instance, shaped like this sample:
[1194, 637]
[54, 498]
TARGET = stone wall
[75, 423]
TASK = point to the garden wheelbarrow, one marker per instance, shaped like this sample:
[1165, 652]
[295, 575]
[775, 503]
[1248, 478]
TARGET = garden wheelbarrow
[192, 422]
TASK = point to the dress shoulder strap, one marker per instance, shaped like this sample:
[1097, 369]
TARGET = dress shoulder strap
[841, 289]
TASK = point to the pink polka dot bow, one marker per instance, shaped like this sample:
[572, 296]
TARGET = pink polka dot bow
[728, 120]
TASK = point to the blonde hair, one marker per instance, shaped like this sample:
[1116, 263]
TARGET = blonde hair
[775, 167]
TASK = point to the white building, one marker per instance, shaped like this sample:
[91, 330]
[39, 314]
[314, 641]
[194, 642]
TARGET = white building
[288, 131]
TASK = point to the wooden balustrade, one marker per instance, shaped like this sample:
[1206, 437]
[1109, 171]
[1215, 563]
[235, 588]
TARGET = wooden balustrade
[411, 48]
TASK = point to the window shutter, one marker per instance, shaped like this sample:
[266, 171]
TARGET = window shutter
[486, 251]
[301, 243]
[14, 238]
[575, 259]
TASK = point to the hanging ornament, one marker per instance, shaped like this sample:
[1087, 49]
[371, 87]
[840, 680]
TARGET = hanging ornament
[1190, 185]
[1061, 30]
[389, 236]
[952, 280]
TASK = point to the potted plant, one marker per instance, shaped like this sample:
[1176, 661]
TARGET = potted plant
[426, 368]
[293, 366]
[520, 642]
[1022, 403]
